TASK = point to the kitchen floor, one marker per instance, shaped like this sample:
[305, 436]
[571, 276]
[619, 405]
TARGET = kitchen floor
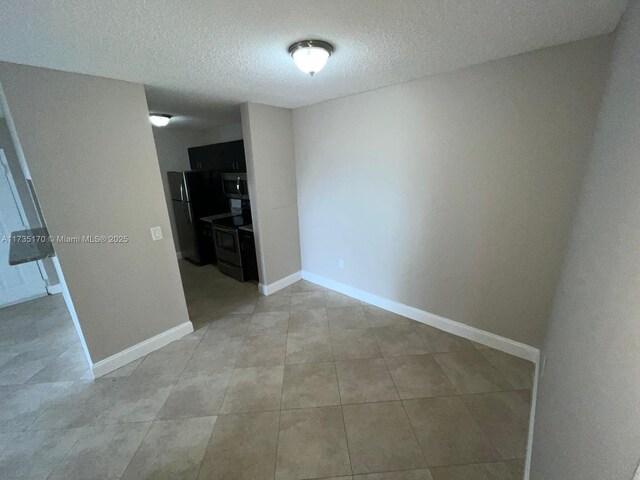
[304, 384]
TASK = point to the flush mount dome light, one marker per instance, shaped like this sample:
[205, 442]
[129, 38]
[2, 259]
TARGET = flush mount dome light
[311, 55]
[159, 119]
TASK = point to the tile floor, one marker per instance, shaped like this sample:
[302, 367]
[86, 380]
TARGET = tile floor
[304, 384]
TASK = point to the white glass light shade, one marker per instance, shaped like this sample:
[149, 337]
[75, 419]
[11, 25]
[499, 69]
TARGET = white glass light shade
[159, 120]
[310, 59]
[310, 56]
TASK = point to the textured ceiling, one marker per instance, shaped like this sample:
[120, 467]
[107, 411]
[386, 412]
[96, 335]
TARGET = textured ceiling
[202, 58]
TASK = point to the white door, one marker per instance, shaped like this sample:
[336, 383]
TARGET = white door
[20, 282]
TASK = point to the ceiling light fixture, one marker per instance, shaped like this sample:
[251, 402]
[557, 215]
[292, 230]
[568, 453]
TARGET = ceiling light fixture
[311, 55]
[159, 119]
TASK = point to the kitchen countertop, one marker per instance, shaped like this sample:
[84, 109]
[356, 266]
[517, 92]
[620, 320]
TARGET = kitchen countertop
[235, 221]
[29, 246]
[211, 218]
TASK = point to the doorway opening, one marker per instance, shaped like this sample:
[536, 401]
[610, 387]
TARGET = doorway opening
[40, 338]
[206, 189]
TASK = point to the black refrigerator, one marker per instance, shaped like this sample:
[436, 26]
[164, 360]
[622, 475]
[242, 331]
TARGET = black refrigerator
[195, 194]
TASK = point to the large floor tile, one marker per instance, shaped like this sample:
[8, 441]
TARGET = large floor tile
[197, 396]
[229, 326]
[254, 389]
[422, 474]
[279, 302]
[353, 344]
[516, 467]
[267, 323]
[242, 447]
[439, 341]
[138, 399]
[399, 341]
[309, 321]
[312, 444]
[307, 301]
[169, 360]
[344, 318]
[447, 432]
[34, 455]
[7, 439]
[381, 438]
[101, 453]
[363, 381]
[518, 372]
[171, 450]
[262, 351]
[6, 355]
[484, 471]
[305, 286]
[214, 355]
[27, 364]
[335, 299]
[308, 347]
[377, 317]
[69, 366]
[23, 404]
[80, 404]
[310, 385]
[504, 418]
[418, 376]
[469, 372]
[237, 304]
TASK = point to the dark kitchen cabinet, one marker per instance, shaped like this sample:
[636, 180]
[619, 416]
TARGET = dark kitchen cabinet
[205, 157]
[227, 157]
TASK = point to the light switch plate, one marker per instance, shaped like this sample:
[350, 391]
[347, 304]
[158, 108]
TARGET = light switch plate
[156, 233]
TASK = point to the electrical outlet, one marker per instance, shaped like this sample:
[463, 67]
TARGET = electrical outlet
[341, 263]
[156, 233]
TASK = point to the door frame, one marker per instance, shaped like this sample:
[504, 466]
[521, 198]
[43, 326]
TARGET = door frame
[13, 189]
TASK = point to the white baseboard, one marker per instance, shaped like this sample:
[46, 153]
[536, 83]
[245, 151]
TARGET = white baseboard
[141, 349]
[480, 336]
[280, 284]
[54, 289]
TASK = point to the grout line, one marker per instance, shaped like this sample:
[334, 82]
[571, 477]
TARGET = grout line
[415, 435]
[275, 460]
[137, 449]
[344, 423]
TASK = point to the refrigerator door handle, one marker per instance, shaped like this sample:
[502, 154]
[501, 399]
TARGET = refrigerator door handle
[182, 192]
[187, 207]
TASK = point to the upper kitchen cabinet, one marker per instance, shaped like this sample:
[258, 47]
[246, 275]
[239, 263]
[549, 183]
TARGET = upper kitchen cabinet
[224, 157]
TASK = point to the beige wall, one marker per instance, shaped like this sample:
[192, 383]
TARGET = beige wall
[171, 146]
[268, 142]
[588, 416]
[453, 193]
[89, 147]
[223, 133]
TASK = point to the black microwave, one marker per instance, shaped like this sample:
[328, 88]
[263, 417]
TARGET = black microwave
[235, 185]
